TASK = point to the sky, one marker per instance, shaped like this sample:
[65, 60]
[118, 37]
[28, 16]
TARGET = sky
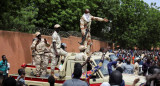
[150, 1]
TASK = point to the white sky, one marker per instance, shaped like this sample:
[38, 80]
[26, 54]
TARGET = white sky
[150, 1]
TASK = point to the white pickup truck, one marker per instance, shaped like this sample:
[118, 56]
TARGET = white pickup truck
[67, 69]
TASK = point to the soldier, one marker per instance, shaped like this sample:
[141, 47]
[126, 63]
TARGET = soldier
[82, 56]
[85, 23]
[33, 53]
[41, 60]
[56, 48]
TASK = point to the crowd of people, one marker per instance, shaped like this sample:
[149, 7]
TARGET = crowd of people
[140, 60]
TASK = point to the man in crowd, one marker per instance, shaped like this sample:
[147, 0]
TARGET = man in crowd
[51, 80]
[76, 78]
[10, 81]
[85, 23]
[20, 78]
[41, 61]
[23, 66]
[115, 78]
[56, 49]
[113, 63]
[128, 67]
[136, 66]
[146, 66]
[3, 67]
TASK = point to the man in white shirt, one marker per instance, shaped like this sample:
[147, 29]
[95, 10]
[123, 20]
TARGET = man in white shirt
[136, 66]
[8, 64]
[56, 48]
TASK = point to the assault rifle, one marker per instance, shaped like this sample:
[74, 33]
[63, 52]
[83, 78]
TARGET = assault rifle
[84, 37]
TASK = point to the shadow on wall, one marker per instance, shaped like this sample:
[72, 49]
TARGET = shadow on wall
[9, 39]
[24, 45]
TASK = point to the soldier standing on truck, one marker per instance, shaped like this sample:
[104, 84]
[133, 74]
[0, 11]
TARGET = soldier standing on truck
[56, 48]
[41, 60]
[33, 53]
[82, 56]
[85, 23]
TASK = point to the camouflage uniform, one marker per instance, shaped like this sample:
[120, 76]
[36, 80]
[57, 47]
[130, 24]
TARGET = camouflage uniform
[60, 51]
[85, 23]
[33, 53]
[81, 57]
[41, 58]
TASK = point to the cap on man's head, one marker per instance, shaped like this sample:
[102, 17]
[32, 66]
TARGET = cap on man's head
[37, 33]
[56, 26]
[82, 47]
[23, 65]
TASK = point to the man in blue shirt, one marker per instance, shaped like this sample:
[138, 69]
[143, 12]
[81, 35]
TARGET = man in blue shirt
[3, 67]
[128, 67]
[75, 81]
[20, 78]
[114, 63]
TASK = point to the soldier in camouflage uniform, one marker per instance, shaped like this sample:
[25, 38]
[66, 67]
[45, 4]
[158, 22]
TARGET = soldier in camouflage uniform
[82, 56]
[85, 23]
[56, 49]
[41, 59]
[33, 53]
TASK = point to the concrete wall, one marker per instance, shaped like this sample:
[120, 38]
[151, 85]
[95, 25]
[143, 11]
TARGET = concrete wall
[16, 47]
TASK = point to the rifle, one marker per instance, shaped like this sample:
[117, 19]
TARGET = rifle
[84, 37]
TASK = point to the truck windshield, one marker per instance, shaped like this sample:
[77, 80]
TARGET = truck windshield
[104, 68]
[113, 57]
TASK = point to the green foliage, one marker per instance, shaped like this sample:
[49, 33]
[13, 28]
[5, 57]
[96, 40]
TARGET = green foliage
[134, 22]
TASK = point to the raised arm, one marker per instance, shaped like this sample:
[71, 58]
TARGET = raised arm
[99, 19]
[87, 60]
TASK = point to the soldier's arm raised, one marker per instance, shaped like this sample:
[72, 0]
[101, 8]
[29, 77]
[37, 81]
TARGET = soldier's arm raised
[88, 59]
[99, 19]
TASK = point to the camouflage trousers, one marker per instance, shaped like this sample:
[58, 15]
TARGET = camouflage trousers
[33, 57]
[41, 63]
[61, 52]
[88, 42]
